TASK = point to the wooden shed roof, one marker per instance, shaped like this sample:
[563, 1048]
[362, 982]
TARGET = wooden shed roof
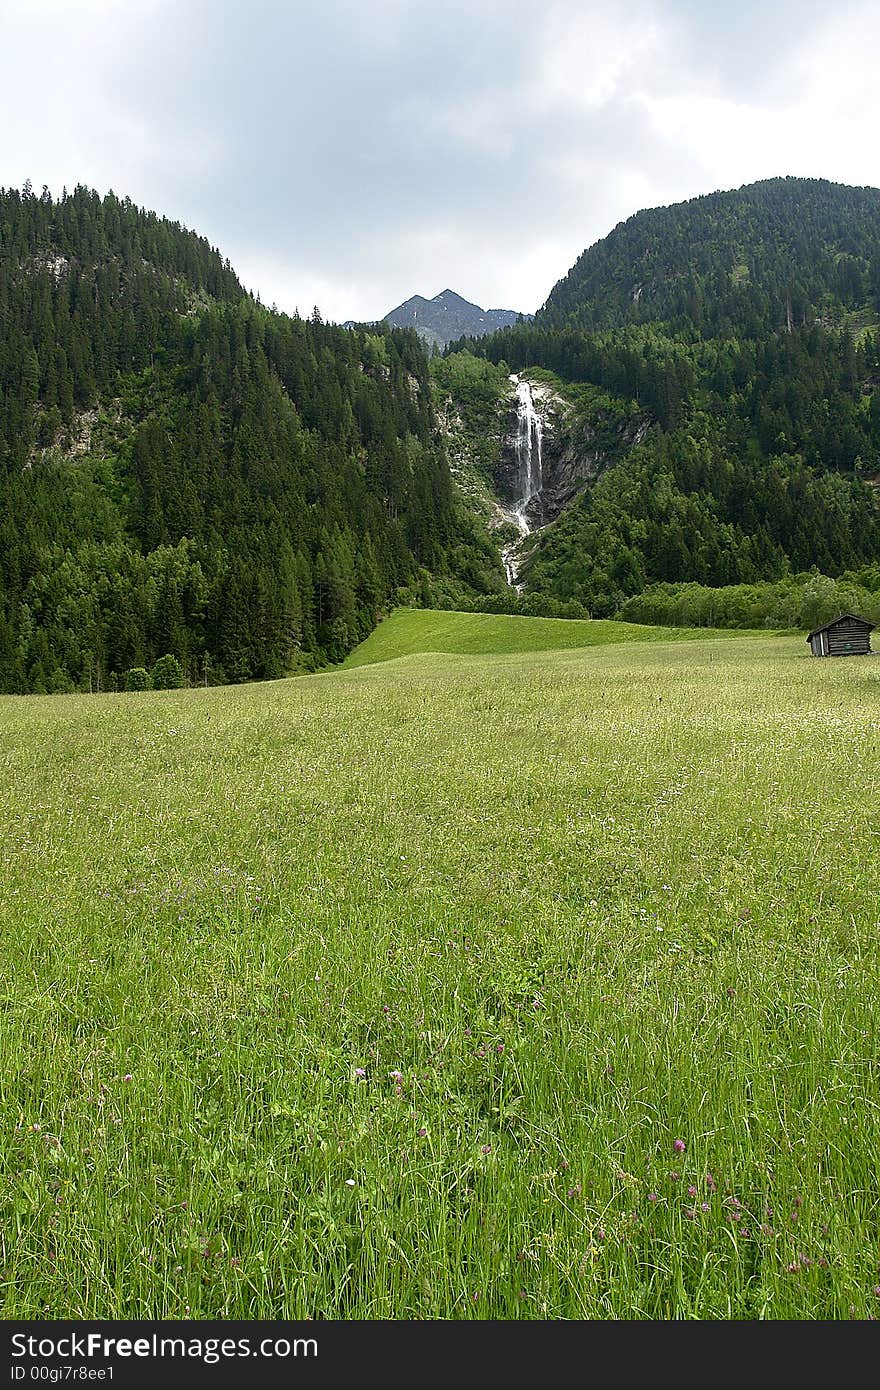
[842, 617]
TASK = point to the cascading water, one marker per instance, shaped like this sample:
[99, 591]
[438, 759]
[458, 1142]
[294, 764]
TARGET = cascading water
[527, 450]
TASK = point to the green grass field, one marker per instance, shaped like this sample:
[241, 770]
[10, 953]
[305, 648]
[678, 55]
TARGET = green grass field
[496, 987]
[415, 630]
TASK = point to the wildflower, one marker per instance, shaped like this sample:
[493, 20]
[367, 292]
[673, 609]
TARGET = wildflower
[692, 1191]
[704, 1206]
[500, 1047]
[653, 1197]
[600, 1234]
[422, 1133]
[679, 1146]
[349, 1182]
[396, 1075]
[486, 1149]
[360, 1071]
[128, 1076]
[710, 1182]
[674, 1177]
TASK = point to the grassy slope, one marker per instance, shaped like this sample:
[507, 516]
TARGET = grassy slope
[585, 906]
[412, 630]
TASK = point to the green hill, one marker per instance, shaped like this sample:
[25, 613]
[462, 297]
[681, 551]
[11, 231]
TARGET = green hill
[411, 631]
[753, 259]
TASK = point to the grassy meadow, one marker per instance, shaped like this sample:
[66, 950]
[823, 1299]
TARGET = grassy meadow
[410, 630]
[539, 984]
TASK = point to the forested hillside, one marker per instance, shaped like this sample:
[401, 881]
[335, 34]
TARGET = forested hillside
[747, 325]
[183, 471]
[746, 261]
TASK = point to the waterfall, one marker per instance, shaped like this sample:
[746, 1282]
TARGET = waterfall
[527, 451]
[529, 431]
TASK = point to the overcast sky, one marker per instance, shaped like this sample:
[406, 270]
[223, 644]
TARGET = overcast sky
[350, 153]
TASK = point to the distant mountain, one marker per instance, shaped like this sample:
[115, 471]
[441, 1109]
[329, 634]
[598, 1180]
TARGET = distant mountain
[447, 316]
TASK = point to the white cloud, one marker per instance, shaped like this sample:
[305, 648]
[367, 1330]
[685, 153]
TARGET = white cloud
[820, 119]
[585, 55]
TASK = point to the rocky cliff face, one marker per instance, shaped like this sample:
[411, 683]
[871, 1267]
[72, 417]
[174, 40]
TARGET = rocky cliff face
[572, 454]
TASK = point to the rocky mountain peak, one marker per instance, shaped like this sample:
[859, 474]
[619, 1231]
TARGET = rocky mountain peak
[449, 316]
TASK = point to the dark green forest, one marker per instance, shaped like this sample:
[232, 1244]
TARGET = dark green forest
[184, 472]
[754, 345]
[747, 261]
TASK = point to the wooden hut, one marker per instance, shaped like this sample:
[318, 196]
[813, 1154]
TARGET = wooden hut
[845, 636]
